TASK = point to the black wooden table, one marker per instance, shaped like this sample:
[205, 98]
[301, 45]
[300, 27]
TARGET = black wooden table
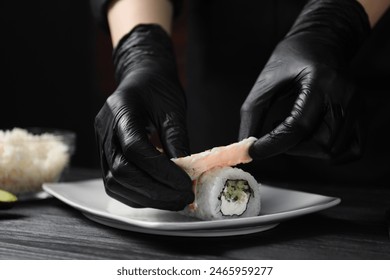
[355, 229]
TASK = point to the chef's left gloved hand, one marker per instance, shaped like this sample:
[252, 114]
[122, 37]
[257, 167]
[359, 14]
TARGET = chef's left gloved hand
[310, 63]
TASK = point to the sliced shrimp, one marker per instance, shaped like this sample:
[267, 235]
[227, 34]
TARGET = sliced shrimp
[229, 155]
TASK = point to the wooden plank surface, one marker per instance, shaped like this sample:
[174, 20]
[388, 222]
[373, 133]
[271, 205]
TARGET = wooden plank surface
[50, 229]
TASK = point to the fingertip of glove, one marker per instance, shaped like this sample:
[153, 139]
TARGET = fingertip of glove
[185, 184]
[186, 199]
[176, 177]
[261, 149]
[176, 203]
[253, 151]
[189, 197]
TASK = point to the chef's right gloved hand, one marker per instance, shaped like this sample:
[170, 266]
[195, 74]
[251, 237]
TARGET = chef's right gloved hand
[310, 64]
[149, 95]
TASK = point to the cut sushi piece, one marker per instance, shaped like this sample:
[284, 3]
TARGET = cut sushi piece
[225, 193]
[230, 155]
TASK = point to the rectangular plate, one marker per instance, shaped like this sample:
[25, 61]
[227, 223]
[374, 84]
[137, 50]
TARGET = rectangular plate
[277, 205]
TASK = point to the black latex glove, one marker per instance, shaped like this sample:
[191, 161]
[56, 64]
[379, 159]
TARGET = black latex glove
[310, 63]
[149, 95]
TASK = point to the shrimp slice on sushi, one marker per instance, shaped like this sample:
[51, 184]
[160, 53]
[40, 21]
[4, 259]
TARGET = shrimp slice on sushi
[230, 155]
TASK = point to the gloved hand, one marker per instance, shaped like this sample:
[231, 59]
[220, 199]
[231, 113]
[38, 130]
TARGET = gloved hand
[149, 95]
[310, 63]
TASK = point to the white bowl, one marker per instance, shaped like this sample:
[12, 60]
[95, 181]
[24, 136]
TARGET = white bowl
[33, 156]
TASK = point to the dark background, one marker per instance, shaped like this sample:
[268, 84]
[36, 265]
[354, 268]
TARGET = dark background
[57, 72]
[56, 69]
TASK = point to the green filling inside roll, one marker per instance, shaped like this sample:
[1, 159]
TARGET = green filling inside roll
[235, 189]
[235, 197]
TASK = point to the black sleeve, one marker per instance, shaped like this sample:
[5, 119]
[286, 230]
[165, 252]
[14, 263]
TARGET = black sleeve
[99, 11]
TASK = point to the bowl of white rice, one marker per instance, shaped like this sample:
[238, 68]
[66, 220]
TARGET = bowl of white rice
[33, 156]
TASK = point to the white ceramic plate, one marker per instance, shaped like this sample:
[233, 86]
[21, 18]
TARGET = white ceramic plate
[277, 205]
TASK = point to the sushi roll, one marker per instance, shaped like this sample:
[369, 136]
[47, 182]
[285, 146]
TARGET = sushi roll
[225, 193]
